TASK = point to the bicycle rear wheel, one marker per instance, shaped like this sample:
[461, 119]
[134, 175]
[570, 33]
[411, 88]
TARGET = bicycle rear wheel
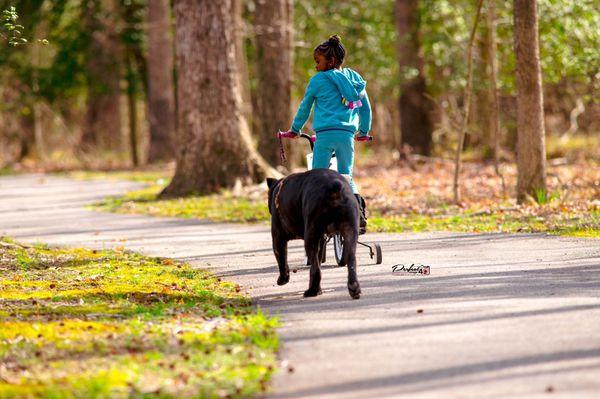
[338, 249]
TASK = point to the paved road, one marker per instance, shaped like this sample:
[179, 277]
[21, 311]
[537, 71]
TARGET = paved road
[502, 315]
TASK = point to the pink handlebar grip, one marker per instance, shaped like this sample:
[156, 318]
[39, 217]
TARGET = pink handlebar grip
[364, 138]
[287, 134]
[313, 138]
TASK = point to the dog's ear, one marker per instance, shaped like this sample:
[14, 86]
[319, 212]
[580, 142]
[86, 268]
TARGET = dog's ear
[271, 182]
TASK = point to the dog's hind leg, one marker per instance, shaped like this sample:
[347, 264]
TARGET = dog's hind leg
[312, 243]
[350, 238]
[280, 251]
[322, 250]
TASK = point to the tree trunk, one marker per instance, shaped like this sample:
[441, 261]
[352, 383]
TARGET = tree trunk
[161, 93]
[38, 129]
[531, 152]
[494, 117]
[273, 25]
[215, 149]
[102, 126]
[132, 106]
[27, 138]
[481, 101]
[240, 54]
[415, 120]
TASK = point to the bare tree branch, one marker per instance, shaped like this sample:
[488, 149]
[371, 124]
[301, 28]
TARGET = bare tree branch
[467, 102]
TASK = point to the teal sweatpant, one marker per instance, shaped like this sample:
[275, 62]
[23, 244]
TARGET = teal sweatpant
[342, 143]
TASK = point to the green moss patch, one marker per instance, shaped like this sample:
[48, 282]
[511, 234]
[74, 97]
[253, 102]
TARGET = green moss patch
[110, 324]
[151, 176]
[223, 207]
[497, 221]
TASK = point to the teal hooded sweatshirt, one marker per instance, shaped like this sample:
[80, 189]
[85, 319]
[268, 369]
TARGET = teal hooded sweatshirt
[340, 100]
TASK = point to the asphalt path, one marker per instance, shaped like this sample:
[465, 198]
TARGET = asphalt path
[499, 315]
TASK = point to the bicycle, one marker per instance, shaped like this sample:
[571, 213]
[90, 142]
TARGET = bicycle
[338, 241]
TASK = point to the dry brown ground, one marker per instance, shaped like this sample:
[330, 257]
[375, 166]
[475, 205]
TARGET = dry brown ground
[425, 185]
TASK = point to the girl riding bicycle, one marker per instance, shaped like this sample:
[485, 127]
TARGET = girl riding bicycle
[341, 108]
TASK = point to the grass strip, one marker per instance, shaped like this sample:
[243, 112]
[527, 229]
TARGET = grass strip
[112, 324]
[225, 207]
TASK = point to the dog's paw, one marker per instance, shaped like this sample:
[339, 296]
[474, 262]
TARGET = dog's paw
[283, 280]
[354, 290]
[310, 292]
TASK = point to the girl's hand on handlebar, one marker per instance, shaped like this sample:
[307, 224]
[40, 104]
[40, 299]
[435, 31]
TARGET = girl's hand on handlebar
[289, 134]
[364, 138]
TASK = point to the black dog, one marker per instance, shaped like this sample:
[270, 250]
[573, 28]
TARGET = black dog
[310, 206]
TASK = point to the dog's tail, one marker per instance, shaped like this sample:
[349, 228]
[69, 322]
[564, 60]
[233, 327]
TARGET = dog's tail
[334, 193]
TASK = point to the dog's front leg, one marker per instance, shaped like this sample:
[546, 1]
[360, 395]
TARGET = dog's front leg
[311, 245]
[280, 250]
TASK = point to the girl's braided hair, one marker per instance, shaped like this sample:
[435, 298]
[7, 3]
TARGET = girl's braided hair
[332, 49]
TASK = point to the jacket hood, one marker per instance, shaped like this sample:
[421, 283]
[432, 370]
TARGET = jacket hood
[348, 82]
